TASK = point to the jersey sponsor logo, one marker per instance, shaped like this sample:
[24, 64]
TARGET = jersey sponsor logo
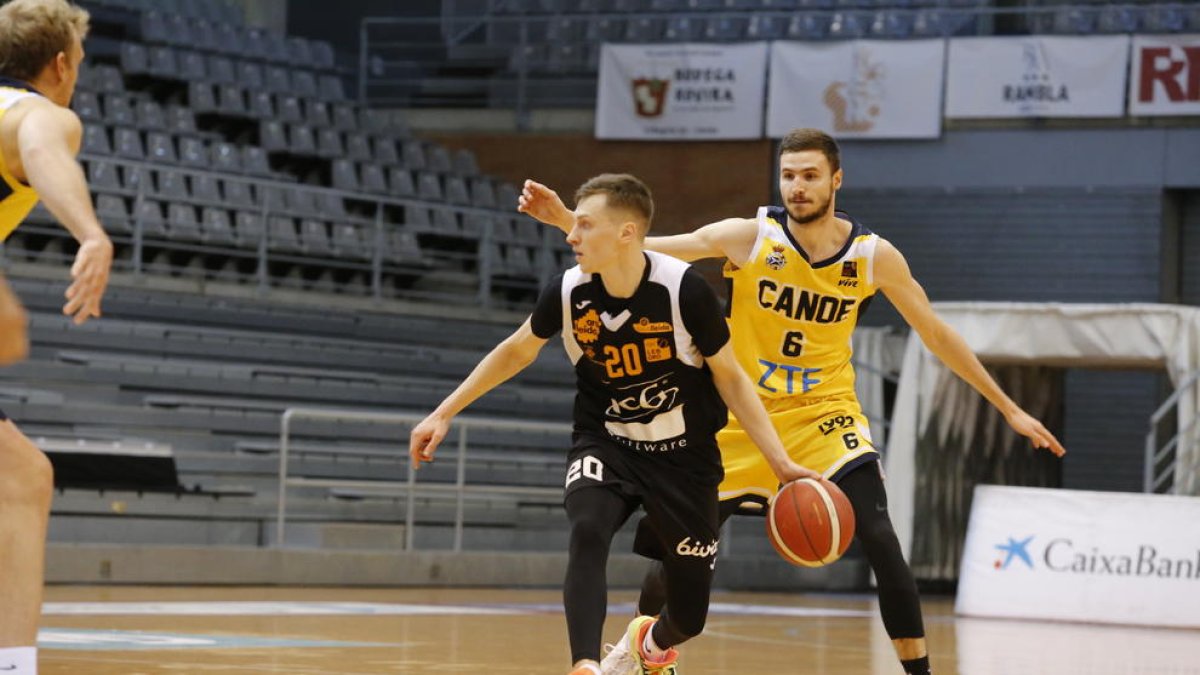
[840, 421]
[804, 382]
[653, 446]
[801, 304]
[587, 327]
[645, 325]
[582, 303]
[697, 549]
[850, 268]
[777, 258]
[848, 283]
[649, 397]
[657, 349]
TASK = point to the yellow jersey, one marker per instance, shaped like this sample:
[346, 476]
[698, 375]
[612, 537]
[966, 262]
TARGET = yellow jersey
[16, 198]
[791, 318]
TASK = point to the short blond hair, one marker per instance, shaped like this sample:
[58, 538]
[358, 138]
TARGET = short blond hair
[622, 191]
[33, 32]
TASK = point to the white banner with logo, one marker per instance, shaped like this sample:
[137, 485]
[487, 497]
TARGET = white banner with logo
[681, 92]
[1165, 75]
[1068, 555]
[858, 89]
[1037, 77]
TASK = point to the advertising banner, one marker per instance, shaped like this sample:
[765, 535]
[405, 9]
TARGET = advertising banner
[681, 92]
[1068, 555]
[1037, 77]
[858, 89]
[1165, 75]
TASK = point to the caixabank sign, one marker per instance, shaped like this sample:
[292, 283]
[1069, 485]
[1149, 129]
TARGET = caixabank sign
[1070, 555]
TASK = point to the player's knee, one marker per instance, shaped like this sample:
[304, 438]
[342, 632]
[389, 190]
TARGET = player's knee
[589, 534]
[26, 476]
[876, 534]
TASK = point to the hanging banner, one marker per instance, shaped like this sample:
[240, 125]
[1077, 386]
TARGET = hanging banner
[1070, 555]
[1037, 77]
[1165, 75]
[681, 92]
[858, 89]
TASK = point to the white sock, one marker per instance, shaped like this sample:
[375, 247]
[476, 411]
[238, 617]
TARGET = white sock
[592, 667]
[651, 648]
[18, 661]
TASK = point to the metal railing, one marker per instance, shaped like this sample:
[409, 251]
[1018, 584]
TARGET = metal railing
[408, 488]
[480, 253]
[1168, 466]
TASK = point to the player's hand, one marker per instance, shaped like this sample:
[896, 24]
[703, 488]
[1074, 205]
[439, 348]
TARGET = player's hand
[544, 204]
[791, 471]
[425, 438]
[1023, 423]
[14, 327]
[90, 275]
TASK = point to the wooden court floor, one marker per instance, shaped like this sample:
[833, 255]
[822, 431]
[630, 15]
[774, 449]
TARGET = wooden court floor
[140, 631]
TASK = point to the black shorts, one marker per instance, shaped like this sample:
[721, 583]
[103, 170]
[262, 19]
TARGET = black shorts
[678, 492]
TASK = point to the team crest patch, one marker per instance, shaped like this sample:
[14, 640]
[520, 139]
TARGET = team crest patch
[645, 325]
[850, 268]
[587, 327]
[776, 258]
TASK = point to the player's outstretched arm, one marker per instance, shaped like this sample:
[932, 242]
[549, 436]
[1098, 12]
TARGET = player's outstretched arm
[508, 358]
[894, 278]
[48, 139]
[14, 327]
[731, 238]
[738, 393]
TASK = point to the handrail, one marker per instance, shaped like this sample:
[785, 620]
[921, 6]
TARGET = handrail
[1153, 452]
[408, 487]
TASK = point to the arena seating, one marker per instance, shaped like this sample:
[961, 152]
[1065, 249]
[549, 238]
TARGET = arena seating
[223, 151]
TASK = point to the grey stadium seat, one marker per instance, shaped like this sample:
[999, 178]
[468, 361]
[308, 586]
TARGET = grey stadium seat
[215, 226]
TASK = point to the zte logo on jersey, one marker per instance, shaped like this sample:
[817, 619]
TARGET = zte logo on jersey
[586, 467]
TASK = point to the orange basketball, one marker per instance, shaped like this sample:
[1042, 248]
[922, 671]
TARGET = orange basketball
[810, 523]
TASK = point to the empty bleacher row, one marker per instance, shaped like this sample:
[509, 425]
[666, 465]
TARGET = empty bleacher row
[209, 377]
[218, 161]
[563, 37]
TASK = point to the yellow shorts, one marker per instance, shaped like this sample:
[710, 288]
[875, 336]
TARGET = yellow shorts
[829, 435]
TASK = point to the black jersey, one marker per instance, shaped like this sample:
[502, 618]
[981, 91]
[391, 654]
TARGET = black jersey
[639, 361]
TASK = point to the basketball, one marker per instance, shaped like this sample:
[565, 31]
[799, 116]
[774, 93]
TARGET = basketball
[810, 523]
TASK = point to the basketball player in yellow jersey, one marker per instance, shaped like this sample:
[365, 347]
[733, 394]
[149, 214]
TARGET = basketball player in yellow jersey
[41, 47]
[800, 276]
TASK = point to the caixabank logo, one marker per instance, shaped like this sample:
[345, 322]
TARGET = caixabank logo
[1063, 555]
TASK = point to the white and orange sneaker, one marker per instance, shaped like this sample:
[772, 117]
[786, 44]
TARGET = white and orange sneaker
[618, 660]
[635, 638]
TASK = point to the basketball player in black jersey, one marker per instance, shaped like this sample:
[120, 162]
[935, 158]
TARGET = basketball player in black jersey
[654, 372]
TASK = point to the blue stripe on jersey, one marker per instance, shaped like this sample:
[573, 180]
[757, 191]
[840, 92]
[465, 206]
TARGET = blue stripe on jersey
[13, 83]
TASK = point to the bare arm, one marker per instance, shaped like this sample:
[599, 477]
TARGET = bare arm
[14, 339]
[731, 238]
[896, 281]
[508, 358]
[739, 395]
[48, 138]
